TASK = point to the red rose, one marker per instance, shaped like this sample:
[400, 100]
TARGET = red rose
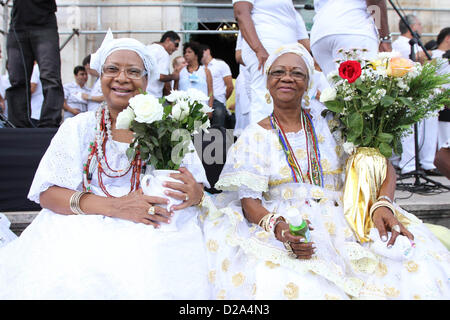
[350, 70]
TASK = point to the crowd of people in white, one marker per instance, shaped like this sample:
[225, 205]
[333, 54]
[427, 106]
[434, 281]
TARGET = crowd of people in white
[235, 245]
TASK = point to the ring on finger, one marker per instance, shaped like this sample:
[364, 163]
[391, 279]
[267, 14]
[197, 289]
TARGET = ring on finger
[396, 228]
[186, 198]
[151, 211]
[283, 232]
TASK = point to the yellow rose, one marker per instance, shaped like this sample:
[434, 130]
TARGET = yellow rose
[398, 67]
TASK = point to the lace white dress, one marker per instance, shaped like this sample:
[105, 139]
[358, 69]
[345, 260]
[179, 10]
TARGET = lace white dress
[245, 262]
[6, 235]
[93, 256]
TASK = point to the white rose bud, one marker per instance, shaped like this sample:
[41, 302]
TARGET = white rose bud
[180, 110]
[176, 95]
[196, 95]
[147, 108]
[327, 95]
[124, 119]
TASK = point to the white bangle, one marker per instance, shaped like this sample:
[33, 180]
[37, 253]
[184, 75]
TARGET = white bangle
[385, 198]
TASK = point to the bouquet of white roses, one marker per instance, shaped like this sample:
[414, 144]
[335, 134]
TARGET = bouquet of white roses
[163, 127]
[376, 102]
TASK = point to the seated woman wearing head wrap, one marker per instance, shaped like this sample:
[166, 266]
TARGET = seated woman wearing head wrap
[289, 166]
[110, 246]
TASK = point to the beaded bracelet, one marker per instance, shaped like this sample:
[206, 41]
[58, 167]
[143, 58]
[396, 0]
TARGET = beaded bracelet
[75, 202]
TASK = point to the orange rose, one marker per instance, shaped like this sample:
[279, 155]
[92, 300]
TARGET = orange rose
[398, 67]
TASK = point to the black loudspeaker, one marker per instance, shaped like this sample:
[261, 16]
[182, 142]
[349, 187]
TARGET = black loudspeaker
[21, 151]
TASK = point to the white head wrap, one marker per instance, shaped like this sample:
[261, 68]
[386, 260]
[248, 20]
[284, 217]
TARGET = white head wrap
[109, 45]
[299, 50]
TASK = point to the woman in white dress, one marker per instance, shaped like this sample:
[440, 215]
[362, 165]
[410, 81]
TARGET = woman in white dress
[289, 164]
[106, 243]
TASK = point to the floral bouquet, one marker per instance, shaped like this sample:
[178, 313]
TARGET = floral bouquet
[374, 104]
[163, 127]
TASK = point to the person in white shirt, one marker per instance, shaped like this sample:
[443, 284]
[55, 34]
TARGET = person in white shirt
[427, 129]
[37, 95]
[441, 54]
[222, 85]
[161, 51]
[265, 25]
[401, 44]
[242, 96]
[73, 101]
[95, 97]
[347, 24]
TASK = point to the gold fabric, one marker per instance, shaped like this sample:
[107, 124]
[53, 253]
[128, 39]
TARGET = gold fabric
[365, 173]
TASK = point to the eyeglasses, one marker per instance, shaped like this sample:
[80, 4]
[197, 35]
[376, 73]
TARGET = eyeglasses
[131, 73]
[297, 74]
[175, 43]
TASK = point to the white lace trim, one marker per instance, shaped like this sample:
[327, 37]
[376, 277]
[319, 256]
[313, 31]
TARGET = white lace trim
[331, 272]
[233, 180]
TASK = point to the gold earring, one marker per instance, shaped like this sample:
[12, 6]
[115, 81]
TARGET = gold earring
[268, 99]
[306, 98]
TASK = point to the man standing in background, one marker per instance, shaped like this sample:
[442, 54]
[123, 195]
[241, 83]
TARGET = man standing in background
[161, 51]
[222, 85]
[33, 35]
[73, 91]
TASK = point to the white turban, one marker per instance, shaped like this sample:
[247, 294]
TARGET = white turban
[109, 45]
[299, 50]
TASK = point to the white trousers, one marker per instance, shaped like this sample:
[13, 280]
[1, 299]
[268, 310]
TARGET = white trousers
[259, 108]
[325, 50]
[427, 139]
[444, 135]
[242, 106]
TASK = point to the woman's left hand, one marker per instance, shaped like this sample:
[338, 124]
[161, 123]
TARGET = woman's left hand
[190, 191]
[384, 220]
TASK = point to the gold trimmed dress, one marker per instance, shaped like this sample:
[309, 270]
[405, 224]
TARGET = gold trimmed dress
[245, 262]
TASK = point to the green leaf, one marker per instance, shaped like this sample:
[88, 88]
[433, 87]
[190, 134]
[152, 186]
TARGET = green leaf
[334, 106]
[385, 137]
[406, 101]
[356, 124]
[385, 150]
[387, 101]
[366, 107]
[131, 152]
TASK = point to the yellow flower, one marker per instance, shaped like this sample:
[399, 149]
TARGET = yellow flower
[212, 276]
[398, 67]
[411, 266]
[238, 279]
[291, 291]
[212, 245]
[391, 292]
[271, 265]
[376, 64]
[221, 295]
[225, 265]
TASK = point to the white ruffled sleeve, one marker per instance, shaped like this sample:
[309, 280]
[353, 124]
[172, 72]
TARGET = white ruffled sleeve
[62, 163]
[247, 167]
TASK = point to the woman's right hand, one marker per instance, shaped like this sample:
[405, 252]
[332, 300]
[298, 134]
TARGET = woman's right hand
[136, 207]
[301, 249]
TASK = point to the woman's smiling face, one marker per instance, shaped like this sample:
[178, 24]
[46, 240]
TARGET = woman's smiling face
[287, 80]
[119, 89]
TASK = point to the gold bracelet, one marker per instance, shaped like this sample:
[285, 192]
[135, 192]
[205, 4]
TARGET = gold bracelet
[263, 223]
[381, 203]
[200, 204]
[75, 202]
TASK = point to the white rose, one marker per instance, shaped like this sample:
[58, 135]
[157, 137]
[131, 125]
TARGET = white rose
[176, 95]
[147, 108]
[196, 95]
[206, 108]
[124, 119]
[180, 110]
[327, 95]
[349, 147]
